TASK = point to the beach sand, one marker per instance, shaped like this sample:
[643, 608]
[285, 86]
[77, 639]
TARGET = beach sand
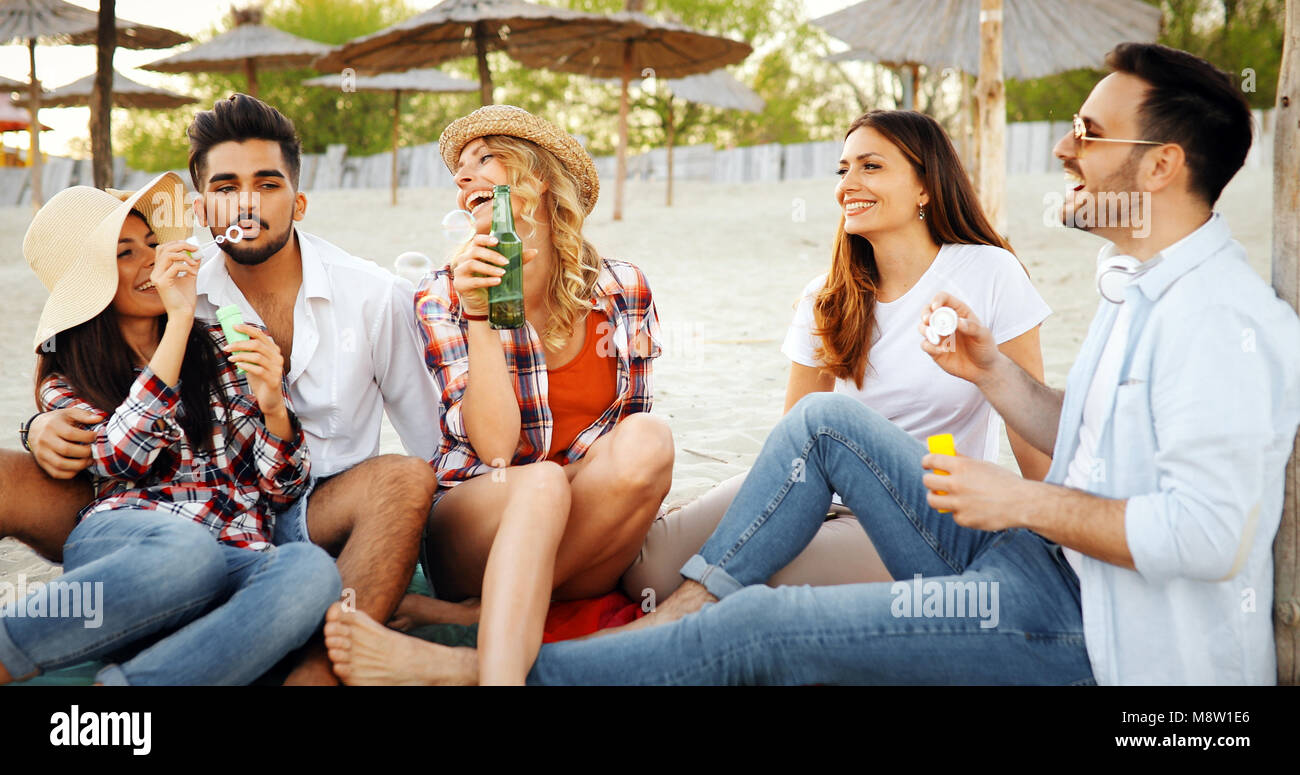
[725, 263]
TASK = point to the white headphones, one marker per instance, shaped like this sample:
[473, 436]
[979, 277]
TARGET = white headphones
[1115, 273]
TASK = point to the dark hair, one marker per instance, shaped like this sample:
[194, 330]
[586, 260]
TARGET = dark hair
[1191, 103]
[95, 360]
[237, 119]
[844, 310]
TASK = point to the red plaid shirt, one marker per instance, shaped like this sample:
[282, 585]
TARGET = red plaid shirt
[622, 293]
[141, 459]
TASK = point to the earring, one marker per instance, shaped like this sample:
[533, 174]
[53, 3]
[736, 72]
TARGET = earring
[920, 212]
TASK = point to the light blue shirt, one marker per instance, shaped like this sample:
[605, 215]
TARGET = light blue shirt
[1202, 419]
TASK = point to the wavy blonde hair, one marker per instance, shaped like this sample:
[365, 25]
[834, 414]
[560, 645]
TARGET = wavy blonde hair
[569, 289]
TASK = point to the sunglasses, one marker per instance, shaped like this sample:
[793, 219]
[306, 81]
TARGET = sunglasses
[1081, 134]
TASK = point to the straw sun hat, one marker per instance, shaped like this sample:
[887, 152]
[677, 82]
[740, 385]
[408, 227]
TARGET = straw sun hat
[72, 245]
[517, 122]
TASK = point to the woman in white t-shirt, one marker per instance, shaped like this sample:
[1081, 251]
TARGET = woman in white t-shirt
[911, 228]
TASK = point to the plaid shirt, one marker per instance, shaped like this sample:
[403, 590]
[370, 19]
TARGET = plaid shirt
[141, 458]
[622, 293]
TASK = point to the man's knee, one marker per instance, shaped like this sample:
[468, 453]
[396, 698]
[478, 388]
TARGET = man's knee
[408, 480]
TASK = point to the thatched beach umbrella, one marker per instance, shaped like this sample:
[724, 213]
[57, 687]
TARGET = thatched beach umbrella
[14, 118]
[27, 21]
[454, 29]
[642, 45]
[719, 89]
[427, 80]
[249, 46]
[1034, 38]
[1043, 37]
[126, 94]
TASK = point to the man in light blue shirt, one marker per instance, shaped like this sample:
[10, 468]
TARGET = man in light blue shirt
[1146, 555]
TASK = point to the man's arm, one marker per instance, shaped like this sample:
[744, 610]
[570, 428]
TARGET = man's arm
[410, 394]
[1028, 407]
[986, 496]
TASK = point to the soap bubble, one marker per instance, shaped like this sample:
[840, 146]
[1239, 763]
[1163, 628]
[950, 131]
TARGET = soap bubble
[413, 266]
[459, 225]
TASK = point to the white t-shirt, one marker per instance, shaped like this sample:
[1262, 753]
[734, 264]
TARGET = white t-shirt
[902, 382]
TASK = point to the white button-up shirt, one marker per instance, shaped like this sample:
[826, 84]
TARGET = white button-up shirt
[1199, 421]
[356, 353]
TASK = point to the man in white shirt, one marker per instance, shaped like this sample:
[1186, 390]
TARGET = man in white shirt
[347, 331]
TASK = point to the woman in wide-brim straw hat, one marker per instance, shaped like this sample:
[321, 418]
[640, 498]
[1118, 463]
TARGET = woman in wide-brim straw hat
[189, 460]
[551, 469]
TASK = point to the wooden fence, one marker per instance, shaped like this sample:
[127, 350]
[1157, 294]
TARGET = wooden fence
[1028, 151]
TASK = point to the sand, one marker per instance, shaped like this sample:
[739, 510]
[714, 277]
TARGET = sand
[726, 263]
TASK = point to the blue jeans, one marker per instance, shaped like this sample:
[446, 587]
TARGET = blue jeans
[205, 612]
[986, 608]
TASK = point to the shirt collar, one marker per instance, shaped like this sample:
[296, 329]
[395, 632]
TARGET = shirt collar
[1180, 257]
[607, 284]
[315, 282]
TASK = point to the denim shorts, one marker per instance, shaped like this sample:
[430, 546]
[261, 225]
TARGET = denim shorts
[291, 524]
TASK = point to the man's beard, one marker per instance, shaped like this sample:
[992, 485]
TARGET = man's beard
[252, 255]
[1122, 180]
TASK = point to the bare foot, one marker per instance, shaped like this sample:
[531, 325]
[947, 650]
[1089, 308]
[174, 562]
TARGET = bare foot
[690, 597]
[419, 610]
[366, 653]
[314, 669]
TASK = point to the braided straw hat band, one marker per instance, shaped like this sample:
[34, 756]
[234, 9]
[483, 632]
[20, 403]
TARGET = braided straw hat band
[71, 246]
[516, 122]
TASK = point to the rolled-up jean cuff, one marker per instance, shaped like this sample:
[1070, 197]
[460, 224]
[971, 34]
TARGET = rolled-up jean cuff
[112, 676]
[18, 664]
[714, 579]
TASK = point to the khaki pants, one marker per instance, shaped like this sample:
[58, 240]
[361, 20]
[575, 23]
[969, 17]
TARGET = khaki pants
[840, 553]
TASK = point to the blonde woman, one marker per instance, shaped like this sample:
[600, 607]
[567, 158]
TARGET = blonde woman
[551, 469]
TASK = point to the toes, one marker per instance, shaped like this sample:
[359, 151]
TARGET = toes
[335, 613]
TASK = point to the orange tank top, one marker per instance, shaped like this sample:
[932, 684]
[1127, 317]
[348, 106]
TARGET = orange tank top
[580, 391]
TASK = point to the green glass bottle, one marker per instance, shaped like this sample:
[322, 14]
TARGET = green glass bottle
[506, 299]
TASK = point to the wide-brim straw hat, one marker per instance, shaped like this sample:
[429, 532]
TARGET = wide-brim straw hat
[517, 122]
[71, 245]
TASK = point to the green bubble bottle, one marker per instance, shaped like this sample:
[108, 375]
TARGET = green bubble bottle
[506, 299]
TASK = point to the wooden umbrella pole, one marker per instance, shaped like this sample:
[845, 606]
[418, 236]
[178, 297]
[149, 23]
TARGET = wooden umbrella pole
[250, 71]
[991, 93]
[397, 111]
[672, 134]
[484, 74]
[34, 107]
[101, 97]
[621, 174]
[1286, 281]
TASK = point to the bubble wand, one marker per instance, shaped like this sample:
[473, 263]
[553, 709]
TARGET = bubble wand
[233, 234]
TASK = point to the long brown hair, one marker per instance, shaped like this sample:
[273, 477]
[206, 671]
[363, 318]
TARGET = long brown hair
[98, 364]
[844, 310]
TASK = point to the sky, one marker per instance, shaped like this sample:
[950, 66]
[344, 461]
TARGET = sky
[58, 65]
